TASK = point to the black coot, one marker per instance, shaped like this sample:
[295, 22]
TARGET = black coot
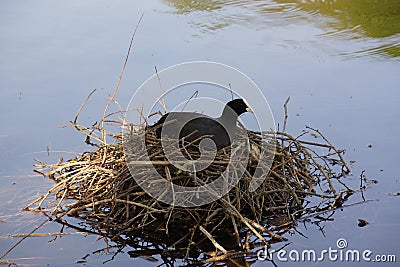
[199, 125]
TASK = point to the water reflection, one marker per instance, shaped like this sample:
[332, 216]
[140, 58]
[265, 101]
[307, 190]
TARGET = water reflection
[375, 19]
[185, 6]
[360, 18]
[362, 27]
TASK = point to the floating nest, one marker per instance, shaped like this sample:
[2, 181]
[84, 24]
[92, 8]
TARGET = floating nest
[97, 187]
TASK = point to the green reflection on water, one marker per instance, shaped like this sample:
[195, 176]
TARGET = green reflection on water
[377, 18]
[368, 18]
[187, 6]
[375, 23]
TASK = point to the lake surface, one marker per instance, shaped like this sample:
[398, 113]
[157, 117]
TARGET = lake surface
[339, 61]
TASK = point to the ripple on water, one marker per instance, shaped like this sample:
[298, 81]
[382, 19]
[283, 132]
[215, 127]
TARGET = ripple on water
[360, 28]
[381, 52]
[349, 33]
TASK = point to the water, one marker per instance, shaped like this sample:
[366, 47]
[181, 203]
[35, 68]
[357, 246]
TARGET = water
[337, 60]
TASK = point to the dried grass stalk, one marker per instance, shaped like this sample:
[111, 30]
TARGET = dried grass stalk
[98, 189]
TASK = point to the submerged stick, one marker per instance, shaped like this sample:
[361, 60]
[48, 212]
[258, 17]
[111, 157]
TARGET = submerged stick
[23, 238]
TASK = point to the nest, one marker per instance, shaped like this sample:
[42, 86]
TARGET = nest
[97, 187]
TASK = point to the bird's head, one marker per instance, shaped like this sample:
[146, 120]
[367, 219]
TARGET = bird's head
[239, 106]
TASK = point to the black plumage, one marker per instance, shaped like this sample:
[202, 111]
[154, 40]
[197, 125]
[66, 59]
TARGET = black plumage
[191, 126]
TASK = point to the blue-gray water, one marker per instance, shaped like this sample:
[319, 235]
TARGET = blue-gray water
[339, 61]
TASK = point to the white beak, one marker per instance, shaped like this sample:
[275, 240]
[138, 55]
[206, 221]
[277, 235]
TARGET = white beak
[249, 110]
